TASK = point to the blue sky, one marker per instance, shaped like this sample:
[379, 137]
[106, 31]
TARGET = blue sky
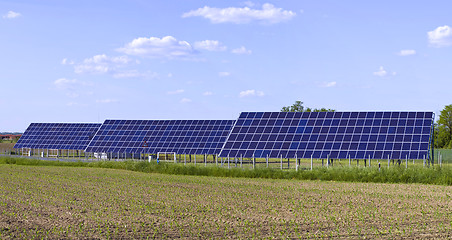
[86, 61]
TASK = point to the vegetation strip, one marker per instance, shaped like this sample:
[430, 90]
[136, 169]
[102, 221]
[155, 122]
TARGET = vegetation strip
[433, 175]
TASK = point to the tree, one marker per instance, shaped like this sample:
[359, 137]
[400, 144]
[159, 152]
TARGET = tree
[444, 128]
[298, 107]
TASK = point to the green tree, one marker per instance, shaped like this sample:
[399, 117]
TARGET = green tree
[444, 128]
[298, 107]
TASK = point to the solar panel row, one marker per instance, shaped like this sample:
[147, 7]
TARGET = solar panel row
[153, 136]
[254, 134]
[74, 136]
[330, 134]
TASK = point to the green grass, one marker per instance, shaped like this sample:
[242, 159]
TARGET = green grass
[395, 174]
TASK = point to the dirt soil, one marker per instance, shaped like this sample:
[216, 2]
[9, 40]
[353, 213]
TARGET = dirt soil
[88, 203]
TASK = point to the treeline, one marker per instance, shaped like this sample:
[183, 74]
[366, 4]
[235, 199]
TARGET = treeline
[298, 107]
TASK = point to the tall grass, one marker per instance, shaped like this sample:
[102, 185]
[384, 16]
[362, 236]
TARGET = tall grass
[396, 174]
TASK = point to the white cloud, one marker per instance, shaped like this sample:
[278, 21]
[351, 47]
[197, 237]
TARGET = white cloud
[250, 93]
[166, 47]
[11, 15]
[134, 74]
[72, 87]
[185, 100]
[406, 52]
[440, 37]
[207, 93]
[224, 74]
[106, 101]
[268, 14]
[65, 61]
[241, 50]
[178, 91]
[210, 45]
[383, 73]
[170, 75]
[101, 64]
[329, 84]
[64, 83]
[70, 104]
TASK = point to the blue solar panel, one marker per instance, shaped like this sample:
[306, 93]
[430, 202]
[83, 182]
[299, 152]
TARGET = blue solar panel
[74, 136]
[153, 136]
[358, 135]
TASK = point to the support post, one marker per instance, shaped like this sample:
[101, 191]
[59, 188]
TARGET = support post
[241, 160]
[327, 161]
[406, 161]
[195, 159]
[389, 161]
[349, 161]
[185, 159]
[267, 160]
[205, 160]
[228, 162]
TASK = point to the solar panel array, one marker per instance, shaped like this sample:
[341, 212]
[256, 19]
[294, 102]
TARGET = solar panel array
[358, 135]
[74, 136]
[153, 136]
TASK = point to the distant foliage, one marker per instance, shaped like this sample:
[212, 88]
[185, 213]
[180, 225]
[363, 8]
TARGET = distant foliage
[298, 107]
[443, 128]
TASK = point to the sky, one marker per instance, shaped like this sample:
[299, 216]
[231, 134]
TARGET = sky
[87, 61]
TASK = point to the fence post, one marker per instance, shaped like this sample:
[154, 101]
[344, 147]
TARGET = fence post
[311, 162]
[228, 162]
[296, 162]
[281, 161]
[254, 162]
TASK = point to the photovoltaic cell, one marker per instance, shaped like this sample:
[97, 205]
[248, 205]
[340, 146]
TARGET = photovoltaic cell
[358, 135]
[74, 136]
[153, 136]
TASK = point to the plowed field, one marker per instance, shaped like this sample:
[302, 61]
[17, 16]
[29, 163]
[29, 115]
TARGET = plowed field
[69, 202]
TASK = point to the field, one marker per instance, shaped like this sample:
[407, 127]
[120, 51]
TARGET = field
[72, 202]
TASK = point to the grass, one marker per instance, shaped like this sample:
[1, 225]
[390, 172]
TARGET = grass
[56, 202]
[395, 174]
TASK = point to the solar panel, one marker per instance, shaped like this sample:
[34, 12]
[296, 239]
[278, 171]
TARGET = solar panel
[153, 136]
[358, 135]
[74, 136]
